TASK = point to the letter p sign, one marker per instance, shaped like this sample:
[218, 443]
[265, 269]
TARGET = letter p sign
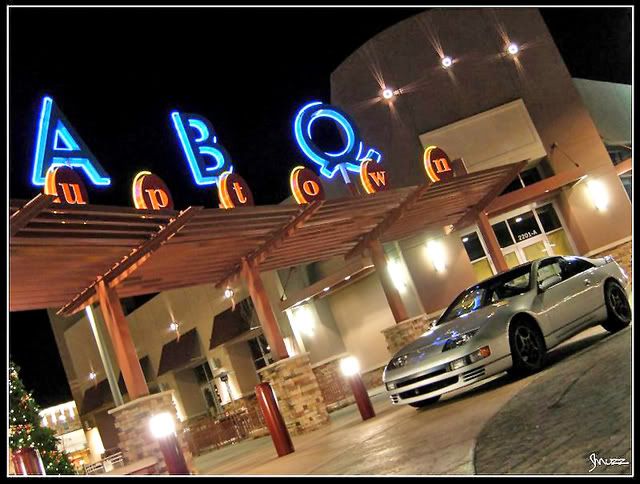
[207, 159]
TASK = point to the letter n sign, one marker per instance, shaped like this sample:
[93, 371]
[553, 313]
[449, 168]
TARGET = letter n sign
[437, 164]
[58, 144]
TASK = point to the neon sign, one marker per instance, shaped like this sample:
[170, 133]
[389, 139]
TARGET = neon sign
[150, 192]
[57, 144]
[373, 177]
[207, 159]
[347, 159]
[66, 185]
[437, 164]
[233, 191]
[305, 185]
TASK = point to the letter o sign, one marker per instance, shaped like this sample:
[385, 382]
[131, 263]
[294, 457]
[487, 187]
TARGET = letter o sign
[151, 193]
[233, 191]
[66, 185]
[305, 185]
[437, 164]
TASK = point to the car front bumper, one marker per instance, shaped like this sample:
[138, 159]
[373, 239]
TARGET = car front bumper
[439, 380]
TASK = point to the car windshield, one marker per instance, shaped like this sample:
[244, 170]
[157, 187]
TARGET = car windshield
[503, 286]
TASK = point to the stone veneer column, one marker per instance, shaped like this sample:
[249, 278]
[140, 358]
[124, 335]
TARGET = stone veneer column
[405, 332]
[134, 435]
[299, 397]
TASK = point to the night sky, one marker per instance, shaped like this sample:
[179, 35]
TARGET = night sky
[118, 73]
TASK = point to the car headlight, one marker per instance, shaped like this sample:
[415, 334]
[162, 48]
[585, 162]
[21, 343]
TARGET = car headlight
[458, 340]
[398, 362]
[470, 359]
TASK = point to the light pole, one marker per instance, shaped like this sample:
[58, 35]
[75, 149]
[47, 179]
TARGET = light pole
[163, 428]
[351, 370]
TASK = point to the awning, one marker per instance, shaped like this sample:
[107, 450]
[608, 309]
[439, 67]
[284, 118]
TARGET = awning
[96, 396]
[180, 353]
[226, 326]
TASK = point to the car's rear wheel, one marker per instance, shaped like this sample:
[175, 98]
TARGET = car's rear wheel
[528, 350]
[425, 403]
[618, 308]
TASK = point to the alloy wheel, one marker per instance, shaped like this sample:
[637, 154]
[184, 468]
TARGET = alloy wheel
[619, 304]
[527, 346]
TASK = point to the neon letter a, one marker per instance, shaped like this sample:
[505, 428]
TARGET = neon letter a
[57, 143]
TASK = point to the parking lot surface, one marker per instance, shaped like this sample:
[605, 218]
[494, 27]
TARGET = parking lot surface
[436, 440]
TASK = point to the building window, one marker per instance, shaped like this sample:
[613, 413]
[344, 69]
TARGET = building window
[502, 234]
[627, 180]
[530, 176]
[524, 226]
[478, 257]
[260, 351]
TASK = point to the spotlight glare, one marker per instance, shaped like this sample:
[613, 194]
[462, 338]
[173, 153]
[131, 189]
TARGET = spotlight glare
[513, 49]
[387, 93]
[446, 62]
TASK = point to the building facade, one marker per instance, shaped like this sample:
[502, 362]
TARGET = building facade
[488, 108]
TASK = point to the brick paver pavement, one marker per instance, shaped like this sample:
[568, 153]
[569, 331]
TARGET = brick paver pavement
[581, 406]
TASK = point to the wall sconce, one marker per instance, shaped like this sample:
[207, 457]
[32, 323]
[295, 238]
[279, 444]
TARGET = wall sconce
[398, 275]
[228, 293]
[598, 193]
[437, 254]
[303, 320]
[174, 326]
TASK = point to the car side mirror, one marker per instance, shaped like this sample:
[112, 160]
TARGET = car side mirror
[548, 282]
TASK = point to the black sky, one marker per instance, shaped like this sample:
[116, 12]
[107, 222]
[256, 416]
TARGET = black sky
[118, 73]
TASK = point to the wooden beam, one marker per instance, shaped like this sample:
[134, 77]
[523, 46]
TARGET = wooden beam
[624, 166]
[129, 263]
[493, 246]
[261, 253]
[28, 212]
[265, 312]
[394, 300]
[121, 341]
[388, 221]
[528, 194]
[482, 205]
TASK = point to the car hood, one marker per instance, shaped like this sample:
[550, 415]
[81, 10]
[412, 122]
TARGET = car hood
[437, 336]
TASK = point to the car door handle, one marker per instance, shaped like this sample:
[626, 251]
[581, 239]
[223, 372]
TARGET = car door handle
[587, 282]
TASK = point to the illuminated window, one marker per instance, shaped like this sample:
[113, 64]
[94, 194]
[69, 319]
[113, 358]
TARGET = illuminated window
[260, 351]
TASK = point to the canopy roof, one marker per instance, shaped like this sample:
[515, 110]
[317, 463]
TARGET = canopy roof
[59, 253]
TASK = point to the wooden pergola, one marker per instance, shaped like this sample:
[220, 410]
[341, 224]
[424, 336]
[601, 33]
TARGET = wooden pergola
[70, 256]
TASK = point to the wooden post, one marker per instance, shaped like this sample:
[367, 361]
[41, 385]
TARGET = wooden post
[122, 342]
[390, 291]
[491, 242]
[265, 311]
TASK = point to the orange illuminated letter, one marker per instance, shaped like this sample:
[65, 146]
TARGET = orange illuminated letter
[311, 188]
[378, 178]
[74, 198]
[441, 165]
[158, 198]
[238, 189]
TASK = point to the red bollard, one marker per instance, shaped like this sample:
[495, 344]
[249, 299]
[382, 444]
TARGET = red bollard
[27, 461]
[173, 456]
[362, 397]
[273, 419]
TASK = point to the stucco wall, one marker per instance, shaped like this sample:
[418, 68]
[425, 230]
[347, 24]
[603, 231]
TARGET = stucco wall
[361, 312]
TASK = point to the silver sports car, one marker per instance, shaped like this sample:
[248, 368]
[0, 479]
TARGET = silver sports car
[509, 322]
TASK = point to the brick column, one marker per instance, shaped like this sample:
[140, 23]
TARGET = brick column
[405, 332]
[298, 393]
[134, 436]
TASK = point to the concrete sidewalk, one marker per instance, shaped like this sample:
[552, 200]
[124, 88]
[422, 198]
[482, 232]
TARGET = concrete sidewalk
[582, 406]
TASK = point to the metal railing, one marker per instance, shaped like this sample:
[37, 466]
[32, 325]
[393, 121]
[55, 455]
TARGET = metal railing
[105, 465]
[212, 433]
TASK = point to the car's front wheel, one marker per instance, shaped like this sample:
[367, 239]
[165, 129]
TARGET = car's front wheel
[528, 350]
[618, 308]
[425, 403]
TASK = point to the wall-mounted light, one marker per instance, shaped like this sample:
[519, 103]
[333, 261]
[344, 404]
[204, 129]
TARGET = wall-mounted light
[92, 375]
[398, 275]
[598, 194]
[437, 255]
[174, 326]
[228, 293]
[446, 62]
[326, 289]
[347, 278]
[513, 48]
[388, 93]
[303, 320]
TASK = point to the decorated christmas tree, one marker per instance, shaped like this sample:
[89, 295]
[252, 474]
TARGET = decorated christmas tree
[25, 429]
